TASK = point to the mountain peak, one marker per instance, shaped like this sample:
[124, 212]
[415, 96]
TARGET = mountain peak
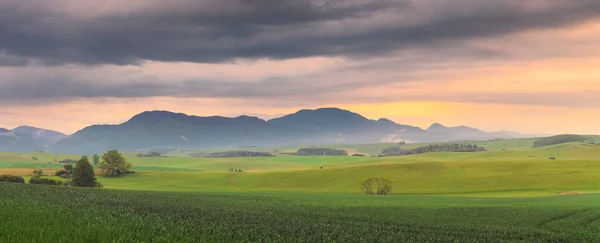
[156, 114]
[386, 121]
[42, 136]
[319, 117]
[4, 130]
[436, 126]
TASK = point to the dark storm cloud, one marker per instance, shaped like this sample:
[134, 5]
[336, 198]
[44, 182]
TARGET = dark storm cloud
[60, 32]
[64, 87]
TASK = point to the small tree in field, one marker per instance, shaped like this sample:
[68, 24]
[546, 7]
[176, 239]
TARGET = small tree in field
[38, 173]
[113, 164]
[376, 185]
[83, 174]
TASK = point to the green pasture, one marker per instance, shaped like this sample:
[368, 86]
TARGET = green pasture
[492, 173]
[497, 172]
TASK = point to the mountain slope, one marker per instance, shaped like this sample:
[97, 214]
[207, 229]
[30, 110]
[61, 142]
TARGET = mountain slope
[43, 137]
[12, 141]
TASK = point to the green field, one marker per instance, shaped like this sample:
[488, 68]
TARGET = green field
[511, 193]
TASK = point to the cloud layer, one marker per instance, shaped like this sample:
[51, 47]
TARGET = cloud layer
[272, 56]
[212, 31]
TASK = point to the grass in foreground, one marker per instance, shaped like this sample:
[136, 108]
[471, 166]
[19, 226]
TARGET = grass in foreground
[58, 214]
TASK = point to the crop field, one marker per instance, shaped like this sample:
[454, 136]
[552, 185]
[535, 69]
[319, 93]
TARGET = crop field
[59, 214]
[510, 193]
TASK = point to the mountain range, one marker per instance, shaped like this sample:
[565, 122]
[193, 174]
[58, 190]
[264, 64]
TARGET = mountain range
[164, 129]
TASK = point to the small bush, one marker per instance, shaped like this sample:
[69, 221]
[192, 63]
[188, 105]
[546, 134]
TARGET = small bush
[376, 185]
[12, 178]
[60, 173]
[45, 181]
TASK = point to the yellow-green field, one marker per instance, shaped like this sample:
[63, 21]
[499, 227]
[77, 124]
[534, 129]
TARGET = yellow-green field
[507, 169]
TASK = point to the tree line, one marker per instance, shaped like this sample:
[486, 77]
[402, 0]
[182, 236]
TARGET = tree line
[321, 152]
[559, 139]
[232, 154]
[446, 147]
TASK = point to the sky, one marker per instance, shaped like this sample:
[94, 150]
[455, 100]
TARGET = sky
[527, 66]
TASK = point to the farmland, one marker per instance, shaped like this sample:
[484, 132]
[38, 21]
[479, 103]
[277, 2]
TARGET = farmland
[82, 215]
[511, 192]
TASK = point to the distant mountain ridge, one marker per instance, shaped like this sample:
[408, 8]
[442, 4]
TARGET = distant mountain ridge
[44, 137]
[27, 138]
[164, 129]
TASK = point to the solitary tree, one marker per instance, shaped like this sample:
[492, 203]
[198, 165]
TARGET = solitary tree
[96, 159]
[113, 163]
[83, 174]
[376, 185]
[38, 173]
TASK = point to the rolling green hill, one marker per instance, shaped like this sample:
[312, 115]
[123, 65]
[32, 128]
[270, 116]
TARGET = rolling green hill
[497, 172]
[509, 193]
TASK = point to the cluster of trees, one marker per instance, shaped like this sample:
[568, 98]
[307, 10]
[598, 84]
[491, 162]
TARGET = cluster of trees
[234, 170]
[231, 154]
[112, 163]
[446, 147]
[149, 155]
[559, 139]
[66, 172]
[321, 152]
[359, 155]
[12, 178]
[392, 151]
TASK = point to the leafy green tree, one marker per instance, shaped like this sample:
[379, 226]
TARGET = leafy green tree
[376, 185]
[113, 164]
[96, 159]
[83, 174]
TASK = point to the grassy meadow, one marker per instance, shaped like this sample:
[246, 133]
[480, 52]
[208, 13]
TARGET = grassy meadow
[510, 193]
